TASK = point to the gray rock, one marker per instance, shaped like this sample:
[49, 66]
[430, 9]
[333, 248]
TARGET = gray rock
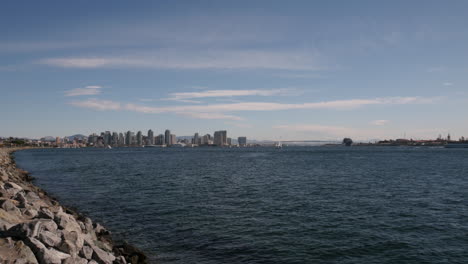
[10, 217]
[75, 260]
[67, 222]
[30, 213]
[99, 229]
[49, 239]
[45, 255]
[120, 260]
[12, 185]
[102, 257]
[31, 229]
[88, 224]
[32, 196]
[93, 262]
[5, 225]
[7, 205]
[21, 199]
[76, 238]
[82, 225]
[45, 213]
[54, 256]
[16, 252]
[86, 252]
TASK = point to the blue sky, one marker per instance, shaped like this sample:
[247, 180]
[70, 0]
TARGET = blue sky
[261, 69]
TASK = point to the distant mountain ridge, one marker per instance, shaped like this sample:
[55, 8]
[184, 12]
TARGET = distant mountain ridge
[78, 136]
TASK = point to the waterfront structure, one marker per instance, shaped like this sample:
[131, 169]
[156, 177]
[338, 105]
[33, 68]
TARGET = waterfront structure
[167, 137]
[160, 139]
[129, 138]
[206, 140]
[242, 141]
[115, 139]
[150, 137]
[196, 139]
[139, 138]
[107, 138]
[220, 138]
[121, 139]
[92, 139]
[229, 141]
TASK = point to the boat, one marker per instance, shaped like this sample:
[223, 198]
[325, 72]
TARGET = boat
[109, 147]
[459, 144]
[278, 145]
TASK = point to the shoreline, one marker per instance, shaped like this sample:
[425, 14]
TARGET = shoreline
[35, 228]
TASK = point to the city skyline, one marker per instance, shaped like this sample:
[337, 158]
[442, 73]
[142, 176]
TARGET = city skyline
[265, 70]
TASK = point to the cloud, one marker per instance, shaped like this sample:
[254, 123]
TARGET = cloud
[226, 93]
[380, 122]
[217, 111]
[237, 124]
[88, 90]
[98, 104]
[196, 59]
[447, 84]
[332, 130]
[211, 116]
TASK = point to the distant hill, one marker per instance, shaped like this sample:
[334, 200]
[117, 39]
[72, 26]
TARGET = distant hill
[48, 138]
[78, 136]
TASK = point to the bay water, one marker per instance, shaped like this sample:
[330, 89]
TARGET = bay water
[266, 205]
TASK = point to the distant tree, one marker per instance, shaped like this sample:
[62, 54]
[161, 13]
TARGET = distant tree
[347, 142]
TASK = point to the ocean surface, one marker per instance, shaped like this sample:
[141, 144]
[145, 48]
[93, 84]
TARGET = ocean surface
[265, 205]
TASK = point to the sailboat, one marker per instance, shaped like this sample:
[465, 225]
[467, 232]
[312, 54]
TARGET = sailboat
[278, 145]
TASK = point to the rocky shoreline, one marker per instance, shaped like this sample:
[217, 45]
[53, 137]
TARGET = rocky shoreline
[36, 229]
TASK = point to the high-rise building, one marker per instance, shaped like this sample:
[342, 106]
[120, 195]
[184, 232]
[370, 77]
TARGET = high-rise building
[242, 141]
[167, 137]
[107, 138]
[139, 138]
[121, 139]
[228, 141]
[115, 139]
[205, 140]
[160, 140]
[196, 139]
[92, 139]
[150, 137]
[173, 139]
[128, 138]
[220, 138]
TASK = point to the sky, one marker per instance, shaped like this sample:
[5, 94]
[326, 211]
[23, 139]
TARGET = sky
[289, 70]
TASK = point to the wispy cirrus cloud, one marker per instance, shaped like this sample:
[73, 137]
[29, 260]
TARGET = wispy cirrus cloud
[380, 122]
[227, 93]
[217, 111]
[329, 130]
[198, 59]
[211, 116]
[88, 90]
[97, 104]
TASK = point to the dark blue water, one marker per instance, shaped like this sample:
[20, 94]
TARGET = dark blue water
[262, 205]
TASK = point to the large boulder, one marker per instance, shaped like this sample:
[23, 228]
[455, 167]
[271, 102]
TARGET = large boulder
[15, 252]
[8, 205]
[12, 188]
[31, 229]
[101, 256]
[67, 222]
[45, 255]
[75, 260]
[49, 239]
[86, 252]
